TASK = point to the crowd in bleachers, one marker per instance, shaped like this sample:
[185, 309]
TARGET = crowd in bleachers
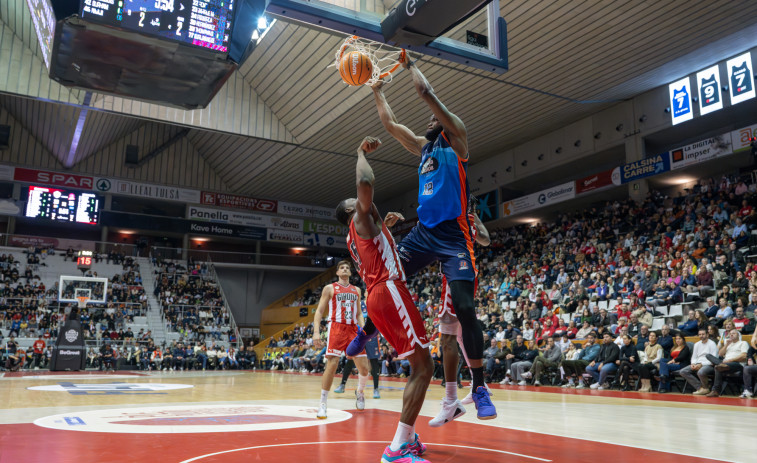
[651, 270]
[191, 301]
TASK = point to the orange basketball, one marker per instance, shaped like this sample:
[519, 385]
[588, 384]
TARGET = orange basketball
[355, 68]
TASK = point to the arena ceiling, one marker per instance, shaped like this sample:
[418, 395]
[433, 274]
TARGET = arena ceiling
[288, 127]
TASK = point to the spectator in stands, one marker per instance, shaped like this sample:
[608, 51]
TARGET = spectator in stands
[550, 358]
[734, 358]
[653, 352]
[680, 357]
[724, 312]
[697, 373]
[604, 365]
[740, 320]
[13, 361]
[750, 370]
[489, 356]
[107, 357]
[628, 358]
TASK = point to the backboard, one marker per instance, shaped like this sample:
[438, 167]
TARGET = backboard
[485, 47]
[71, 287]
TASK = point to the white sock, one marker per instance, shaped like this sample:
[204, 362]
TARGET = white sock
[451, 388]
[402, 435]
[324, 396]
[361, 380]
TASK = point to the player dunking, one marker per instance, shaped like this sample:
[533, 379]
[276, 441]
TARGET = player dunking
[443, 229]
[389, 303]
[343, 301]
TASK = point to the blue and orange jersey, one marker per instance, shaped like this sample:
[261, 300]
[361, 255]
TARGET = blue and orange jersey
[442, 184]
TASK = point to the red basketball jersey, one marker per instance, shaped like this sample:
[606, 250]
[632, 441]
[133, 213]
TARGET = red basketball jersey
[343, 305]
[376, 259]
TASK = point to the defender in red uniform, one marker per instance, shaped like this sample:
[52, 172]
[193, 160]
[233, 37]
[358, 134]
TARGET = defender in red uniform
[390, 305]
[343, 301]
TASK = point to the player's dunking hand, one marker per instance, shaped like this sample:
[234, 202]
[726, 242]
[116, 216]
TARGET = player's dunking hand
[392, 218]
[369, 144]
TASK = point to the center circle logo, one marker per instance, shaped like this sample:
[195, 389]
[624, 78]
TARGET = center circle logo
[190, 419]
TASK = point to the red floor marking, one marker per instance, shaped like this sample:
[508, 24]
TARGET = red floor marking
[668, 397]
[16, 445]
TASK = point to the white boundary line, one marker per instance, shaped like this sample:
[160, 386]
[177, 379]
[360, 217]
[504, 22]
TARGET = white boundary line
[354, 442]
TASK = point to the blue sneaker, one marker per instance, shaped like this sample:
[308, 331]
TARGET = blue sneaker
[484, 405]
[357, 345]
[376, 394]
[339, 389]
[403, 455]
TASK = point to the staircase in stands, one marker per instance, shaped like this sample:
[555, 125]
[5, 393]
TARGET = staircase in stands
[154, 312]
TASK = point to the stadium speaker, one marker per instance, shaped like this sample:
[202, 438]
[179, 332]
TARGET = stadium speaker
[5, 136]
[132, 155]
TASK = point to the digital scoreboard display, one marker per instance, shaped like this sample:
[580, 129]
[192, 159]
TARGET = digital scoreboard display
[43, 19]
[202, 23]
[63, 206]
[84, 260]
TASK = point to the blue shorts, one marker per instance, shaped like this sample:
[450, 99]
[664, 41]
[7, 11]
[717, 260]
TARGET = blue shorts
[449, 243]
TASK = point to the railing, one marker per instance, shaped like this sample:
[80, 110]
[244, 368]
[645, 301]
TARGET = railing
[135, 309]
[230, 257]
[63, 244]
[232, 321]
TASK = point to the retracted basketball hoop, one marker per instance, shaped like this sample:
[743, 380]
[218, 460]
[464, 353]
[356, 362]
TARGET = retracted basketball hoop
[382, 61]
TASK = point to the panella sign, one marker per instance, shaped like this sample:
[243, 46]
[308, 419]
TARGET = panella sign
[53, 178]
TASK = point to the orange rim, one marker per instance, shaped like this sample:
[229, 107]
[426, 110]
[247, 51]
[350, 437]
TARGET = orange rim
[346, 44]
[395, 67]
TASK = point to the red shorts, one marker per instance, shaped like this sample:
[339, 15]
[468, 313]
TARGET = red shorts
[392, 310]
[340, 335]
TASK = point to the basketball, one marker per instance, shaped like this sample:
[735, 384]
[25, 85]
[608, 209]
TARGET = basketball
[355, 68]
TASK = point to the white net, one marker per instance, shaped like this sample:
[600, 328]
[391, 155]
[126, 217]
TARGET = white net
[385, 59]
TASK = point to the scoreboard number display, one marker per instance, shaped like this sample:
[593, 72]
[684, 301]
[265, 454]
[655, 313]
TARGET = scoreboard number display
[202, 23]
[84, 260]
[59, 205]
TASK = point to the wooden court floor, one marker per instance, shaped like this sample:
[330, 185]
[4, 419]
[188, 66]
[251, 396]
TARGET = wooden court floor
[247, 416]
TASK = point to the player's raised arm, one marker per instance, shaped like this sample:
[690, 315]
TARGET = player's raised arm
[366, 214]
[402, 134]
[482, 237]
[453, 126]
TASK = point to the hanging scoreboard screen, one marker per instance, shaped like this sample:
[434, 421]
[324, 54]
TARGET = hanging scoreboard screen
[202, 23]
[63, 205]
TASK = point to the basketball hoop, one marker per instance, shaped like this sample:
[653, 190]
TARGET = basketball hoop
[82, 301]
[385, 59]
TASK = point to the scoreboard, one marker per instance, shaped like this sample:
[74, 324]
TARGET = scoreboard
[84, 260]
[63, 205]
[202, 23]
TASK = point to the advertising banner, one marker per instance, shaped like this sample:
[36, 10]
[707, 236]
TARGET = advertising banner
[594, 182]
[303, 210]
[701, 151]
[326, 228]
[741, 138]
[227, 230]
[554, 195]
[285, 236]
[239, 202]
[146, 190]
[647, 167]
[487, 205]
[319, 239]
[243, 218]
[44, 177]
